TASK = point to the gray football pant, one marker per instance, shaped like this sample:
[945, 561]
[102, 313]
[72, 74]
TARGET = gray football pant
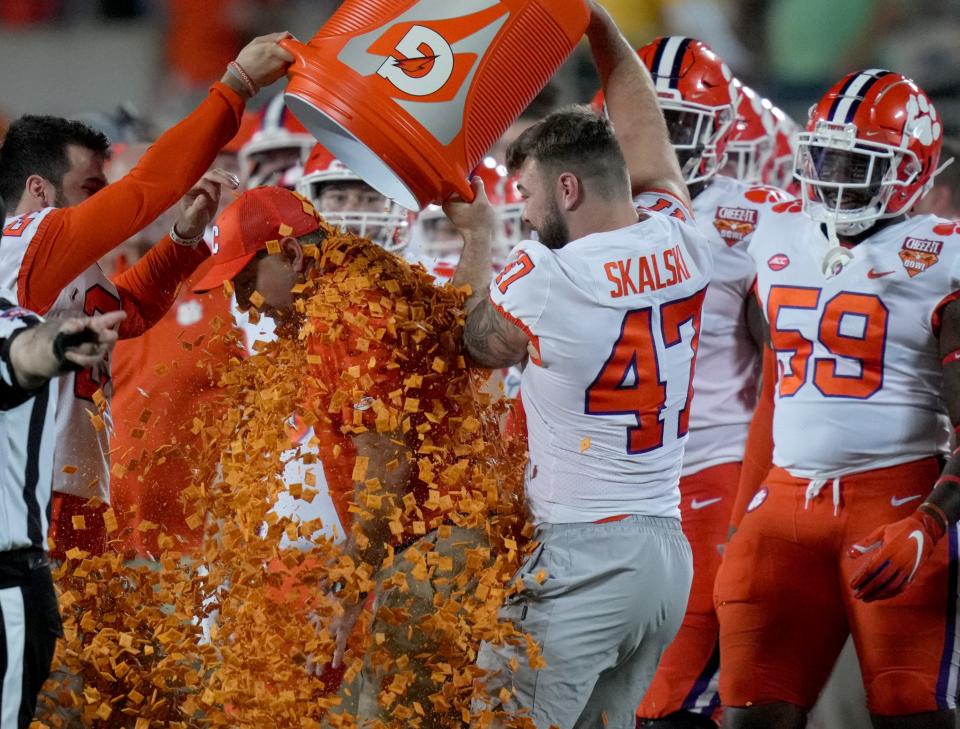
[603, 601]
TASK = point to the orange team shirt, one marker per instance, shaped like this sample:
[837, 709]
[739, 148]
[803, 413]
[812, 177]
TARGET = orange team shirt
[330, 359]
[337, 452]
[162, 379]
[49, 258]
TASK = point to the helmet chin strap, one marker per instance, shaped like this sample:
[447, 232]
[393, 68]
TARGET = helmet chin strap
[836, 256]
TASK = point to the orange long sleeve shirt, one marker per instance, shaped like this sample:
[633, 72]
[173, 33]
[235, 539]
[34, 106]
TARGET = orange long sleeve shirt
[70, 240]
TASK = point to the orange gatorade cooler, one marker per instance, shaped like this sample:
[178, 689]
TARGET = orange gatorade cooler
[410, 94]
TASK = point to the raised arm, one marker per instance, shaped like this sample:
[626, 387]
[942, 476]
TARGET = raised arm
[489, 337]
[70, 240]
[632, 107]
[149, 287]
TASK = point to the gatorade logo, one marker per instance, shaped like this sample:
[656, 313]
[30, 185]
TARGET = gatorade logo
[429, 56]
[426, 65]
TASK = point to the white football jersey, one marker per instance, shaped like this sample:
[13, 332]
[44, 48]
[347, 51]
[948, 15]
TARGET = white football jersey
[614, 319]
[264, 330]
[442, 268]
[317, 504]
[859, 384]
[725, 384]
[82, 458]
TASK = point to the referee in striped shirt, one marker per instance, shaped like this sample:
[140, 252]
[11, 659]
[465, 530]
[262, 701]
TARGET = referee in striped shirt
[32, 352]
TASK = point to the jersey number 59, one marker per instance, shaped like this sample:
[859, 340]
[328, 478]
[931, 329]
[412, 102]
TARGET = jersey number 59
[865, 348]
[632, 380]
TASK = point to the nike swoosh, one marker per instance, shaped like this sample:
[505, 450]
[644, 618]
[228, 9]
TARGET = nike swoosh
[878, 274]
[894, 501]
[918, 536]
[705, 503]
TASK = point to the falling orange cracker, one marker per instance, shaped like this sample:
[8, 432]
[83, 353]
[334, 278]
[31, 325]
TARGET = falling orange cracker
[360, 468]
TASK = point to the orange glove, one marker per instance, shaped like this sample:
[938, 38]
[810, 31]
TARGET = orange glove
[897, 551]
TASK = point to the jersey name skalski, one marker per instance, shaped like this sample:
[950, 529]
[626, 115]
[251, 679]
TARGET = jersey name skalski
[613, 319]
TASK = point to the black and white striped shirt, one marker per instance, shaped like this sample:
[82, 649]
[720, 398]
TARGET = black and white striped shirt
[27, 441]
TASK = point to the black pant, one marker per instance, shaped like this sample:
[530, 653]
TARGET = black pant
[29, 628]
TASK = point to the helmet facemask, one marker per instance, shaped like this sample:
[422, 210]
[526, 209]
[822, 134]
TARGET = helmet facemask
[781, 172]
[695, 131]
[849, 182]
[747, 159]
[387, 227]
[280, 166]
[437, 237]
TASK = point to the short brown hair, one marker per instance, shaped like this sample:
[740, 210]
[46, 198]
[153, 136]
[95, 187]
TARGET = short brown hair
[37, 145]
[575, 139]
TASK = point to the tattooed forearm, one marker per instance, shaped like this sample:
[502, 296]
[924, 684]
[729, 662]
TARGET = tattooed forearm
[491, 340]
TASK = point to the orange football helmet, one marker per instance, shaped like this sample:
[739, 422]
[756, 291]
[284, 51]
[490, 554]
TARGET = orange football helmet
[345, 200]
[778, 171]
[277, 150]
[870, 150]
[695, 90]
[751, 143]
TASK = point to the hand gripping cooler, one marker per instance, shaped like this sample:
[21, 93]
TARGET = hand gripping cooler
[410, 94]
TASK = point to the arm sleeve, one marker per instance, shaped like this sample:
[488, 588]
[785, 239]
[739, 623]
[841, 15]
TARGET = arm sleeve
[521, 290]
[758, 454]
[664, 202]
[148, 288]
[70, 240]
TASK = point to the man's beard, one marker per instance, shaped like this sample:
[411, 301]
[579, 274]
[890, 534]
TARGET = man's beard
[60, 200]
[554, 233]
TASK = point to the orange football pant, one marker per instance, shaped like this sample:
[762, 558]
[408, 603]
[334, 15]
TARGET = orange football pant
[786, 608]
[686, 679]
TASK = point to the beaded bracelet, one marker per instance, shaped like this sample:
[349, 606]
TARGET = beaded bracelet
[237, 70]
[185, 242]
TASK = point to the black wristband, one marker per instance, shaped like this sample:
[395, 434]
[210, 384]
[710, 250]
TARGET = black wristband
[62, 342]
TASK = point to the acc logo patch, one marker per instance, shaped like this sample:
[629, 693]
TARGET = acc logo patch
[735, 224]
[758, 498]
[919, 254]
[778, 261]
